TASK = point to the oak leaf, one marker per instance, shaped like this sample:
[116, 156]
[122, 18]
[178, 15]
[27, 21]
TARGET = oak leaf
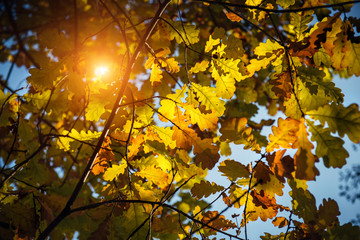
[114, 171]
[284, 135]
[340, 119]
[233, 170]
[205, 189]
[280, 222]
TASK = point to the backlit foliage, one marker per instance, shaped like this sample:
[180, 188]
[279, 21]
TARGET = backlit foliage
[129, 105]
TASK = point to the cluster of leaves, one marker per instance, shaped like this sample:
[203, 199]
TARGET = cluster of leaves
[105, 155]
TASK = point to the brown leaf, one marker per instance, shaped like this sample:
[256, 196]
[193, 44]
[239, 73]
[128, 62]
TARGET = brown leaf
[262, 173]
[219, 223]
[205, 189]
[263, 200]
[319, 35]
[281, 166]
[282, 85]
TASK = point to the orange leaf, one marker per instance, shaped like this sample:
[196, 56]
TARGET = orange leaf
[280, 222]
[281, 166]
[233, 17]
[304, 159]
[105, 155]
[284, 135]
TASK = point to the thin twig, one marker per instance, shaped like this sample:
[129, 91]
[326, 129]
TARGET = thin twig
[108, 123]
[95, 205]
[17, 35]
[277, 10]
[288, 228]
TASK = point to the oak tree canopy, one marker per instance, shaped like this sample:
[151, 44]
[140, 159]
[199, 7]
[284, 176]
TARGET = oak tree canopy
[130, 104]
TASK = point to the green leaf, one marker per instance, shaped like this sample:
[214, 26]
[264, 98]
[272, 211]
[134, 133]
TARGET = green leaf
[313, 79]
[8, 108]
[303, 203]
[328, 147]
[285, 3]
[44, 78]
[236, 130]
[188, 32]
[233, 170]
[343, 120]
[346, 231]
[299, 22]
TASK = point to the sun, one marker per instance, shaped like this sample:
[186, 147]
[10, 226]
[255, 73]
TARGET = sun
[101, 71]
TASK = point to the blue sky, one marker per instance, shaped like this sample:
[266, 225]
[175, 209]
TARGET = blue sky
[325, 186]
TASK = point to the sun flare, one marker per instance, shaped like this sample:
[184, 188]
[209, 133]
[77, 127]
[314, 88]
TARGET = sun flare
[101, 71]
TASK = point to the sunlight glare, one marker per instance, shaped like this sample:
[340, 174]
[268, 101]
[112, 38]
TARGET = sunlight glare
[101, 71]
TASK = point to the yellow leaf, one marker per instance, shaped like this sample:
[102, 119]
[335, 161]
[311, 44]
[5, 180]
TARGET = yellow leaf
[269, 47]
[156, 74]
[169, 105]
[351, 59]
[114, 171]
[285, 3]
[328, 147]
[64, 142]
[225, 149]
[235, 129]
[208, 98]
[253, 2]
[284, 135]
[199, 67]
[211, 43]
[165, 134]
[94, 110]
[156, 176]
[188, 32]
[231, 66]
[344, 120]
[144, 116]
[225, 84]
[203, 120]
[171, 65]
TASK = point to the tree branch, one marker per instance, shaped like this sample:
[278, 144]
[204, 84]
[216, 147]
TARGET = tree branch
[95, 205]
[17, 35]
[278, 10]
[67, 209]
